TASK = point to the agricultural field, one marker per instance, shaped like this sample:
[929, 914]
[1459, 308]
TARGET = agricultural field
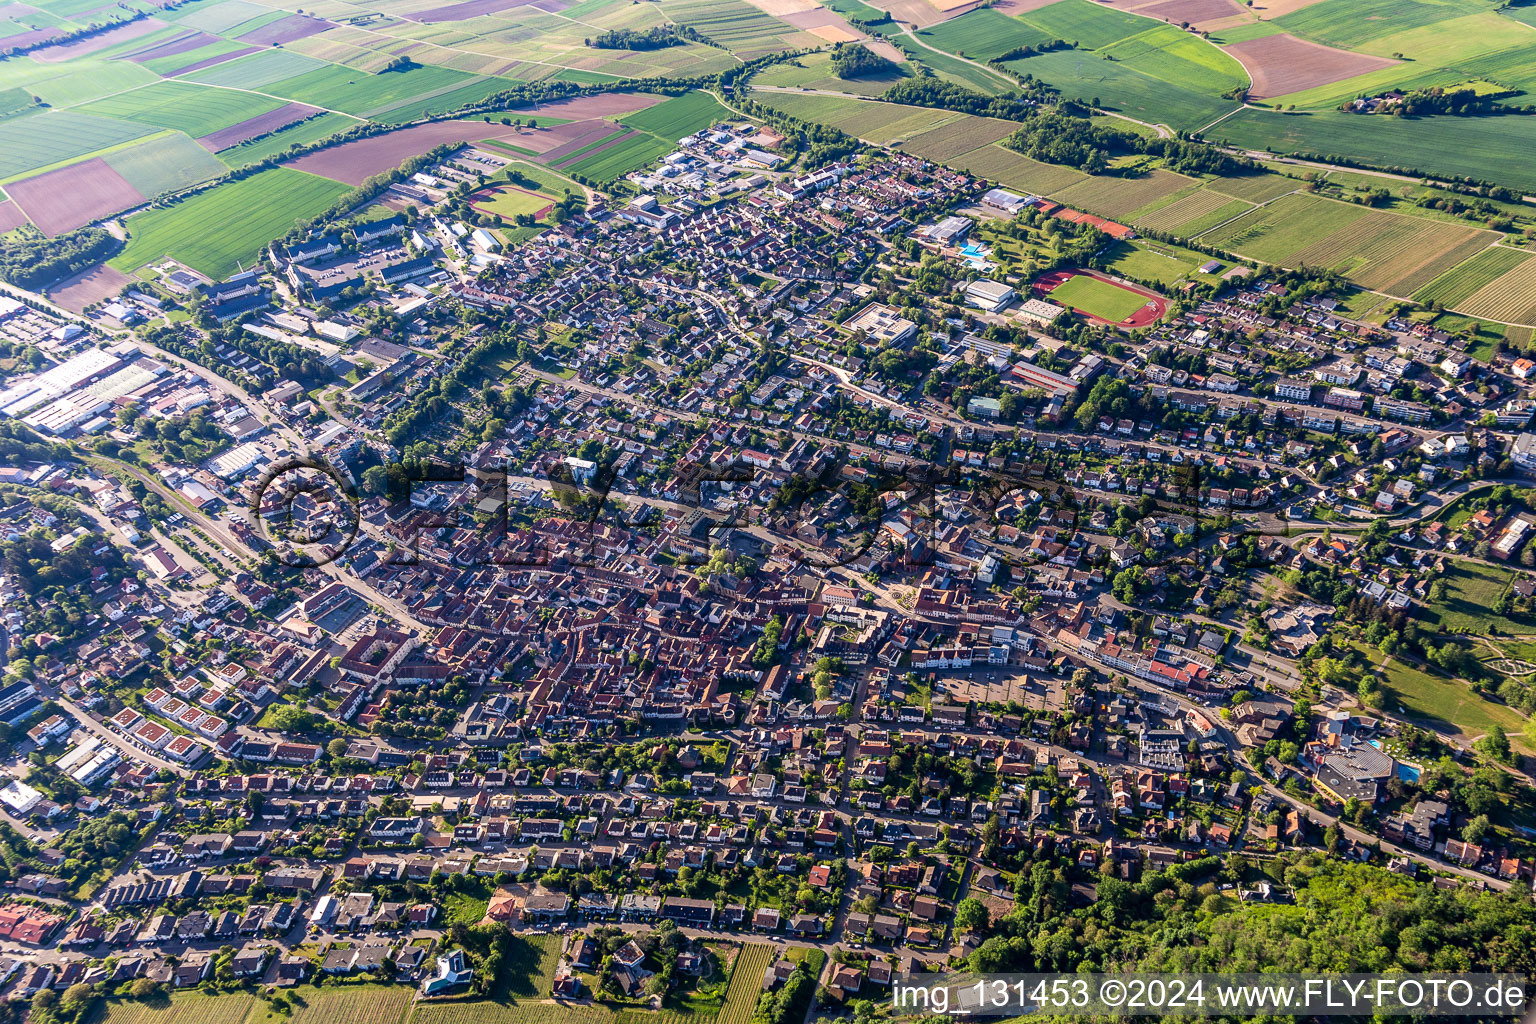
[303, 133]
[256, 70]
[746, 983]
[814, 71]
[1352, 24]
[58, 136]
[165, 164]
[1124, 88]
[873, 121]
[1257, 188]
[1120, 197]
[1381, 251]
[1017, 171]
[1393, 254]
[1509, 298]
[179, 106]
[1273, 233]
[983, 35]
[349, 1004]
[176, 59]
[356, 92]
[1194, 213]
[630, 153]
[956, 138]
[1488, 148]
[738, 26]
[213, 231]
[680, 116]
[184, 1006]
[406, 111]
[1465, 280]
[1085, 24]
[1176, 57]
[79, 81]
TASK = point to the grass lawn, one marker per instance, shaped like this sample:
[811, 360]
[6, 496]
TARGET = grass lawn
[466, 907]
[1471, 590]
[1148, 260]
[1444, 704]
[509, 201]
[1097, 298]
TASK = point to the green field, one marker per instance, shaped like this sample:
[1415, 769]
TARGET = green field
[30, 143]
[1097, 298]
[983, 34]
[508, 202]
[335, 87]
[1381, 251]
[213, 230]
[1085, 24]
[680, 116]
[475, 91]
[218, 16]
[184, 1007]
[15, 101]
[256, 70]
[168, 65]
[312, 130]
[1256, 188]
[814, 71]
[737, 26]
[1349, 24]
[1017, 171]
[1158, 262]
[1472, 589]
[1178, 58]
[881, 123]
[342, 1004]
[1272, 233]
[618, 160]
[165, 164]
[1510, 298]
[183, 107]
[1122, 87]
[78, 81]
[956, 138]
[1489, 148]
[746, 983]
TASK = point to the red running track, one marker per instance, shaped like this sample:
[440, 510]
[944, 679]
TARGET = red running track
[1143, 317]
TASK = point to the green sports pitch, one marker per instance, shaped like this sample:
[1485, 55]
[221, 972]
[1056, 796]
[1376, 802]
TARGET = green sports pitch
[1097, 298]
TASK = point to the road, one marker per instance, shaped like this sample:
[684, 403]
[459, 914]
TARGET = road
[117, 740]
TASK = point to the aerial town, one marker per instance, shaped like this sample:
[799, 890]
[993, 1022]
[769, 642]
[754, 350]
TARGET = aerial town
[718, 591]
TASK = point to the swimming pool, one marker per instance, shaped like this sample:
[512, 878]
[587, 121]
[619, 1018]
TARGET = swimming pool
[1406, 772]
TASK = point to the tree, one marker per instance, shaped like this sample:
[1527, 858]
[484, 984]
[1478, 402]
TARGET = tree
[337, 747]
[1477, 829]
[971, 915]
[1496, 745]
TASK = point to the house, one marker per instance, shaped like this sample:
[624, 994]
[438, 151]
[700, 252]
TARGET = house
[689, 913]
[452, 971]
